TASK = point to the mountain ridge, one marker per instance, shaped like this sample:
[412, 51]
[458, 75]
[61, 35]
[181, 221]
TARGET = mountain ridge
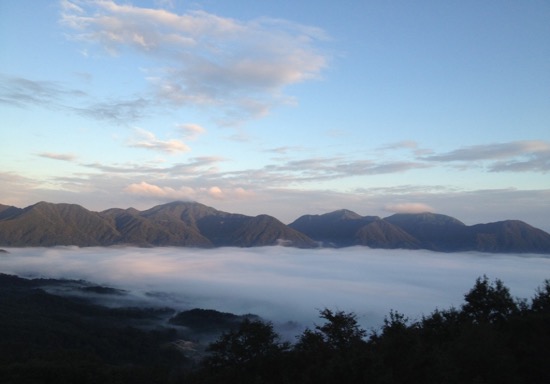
[192, 224]
[178, 223]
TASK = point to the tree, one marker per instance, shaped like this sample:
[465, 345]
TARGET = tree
[252, 340]
[333, 352]
[541, 301]
[395, 324]
[488, 303]
[251, 353]
[340, 330]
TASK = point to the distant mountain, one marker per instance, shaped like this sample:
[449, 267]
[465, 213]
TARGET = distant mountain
[344, 228]
[159, 226]
[381, 234]
[173, 224]
[46, 224]
[509, 236]
[433, 231]
[430, 231]
[445, 233]
[191, 224]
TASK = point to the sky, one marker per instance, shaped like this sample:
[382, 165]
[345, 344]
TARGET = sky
[278, 107]
[283, 284]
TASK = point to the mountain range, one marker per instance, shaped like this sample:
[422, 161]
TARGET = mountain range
[191, 224]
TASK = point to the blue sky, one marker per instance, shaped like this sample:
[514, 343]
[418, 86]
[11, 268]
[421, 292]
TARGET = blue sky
[279, 107]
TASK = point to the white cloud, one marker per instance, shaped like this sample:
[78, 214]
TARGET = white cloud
[147, 140]
[203, 194]
[190, 130]
[151, 190]
[69, 6]
[408, 208]
[238, 66]
[216, 192]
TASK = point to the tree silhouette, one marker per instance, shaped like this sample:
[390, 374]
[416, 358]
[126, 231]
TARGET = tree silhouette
[541, 301]
[252, 340]
[335, 351]
[252, 353]
[488, 303]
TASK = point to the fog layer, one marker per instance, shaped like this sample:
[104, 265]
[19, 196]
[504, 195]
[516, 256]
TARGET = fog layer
[282, 284]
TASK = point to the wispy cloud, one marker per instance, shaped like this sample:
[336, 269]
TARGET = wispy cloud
[539, 162]
[58, 156]
[127, 169]
[404, 144]
[284, 150]
[493, 151]
[191, 131]
[23, 92]
[147, 140]
[18, 190]
[407, 145]
[202, 165]
[205, 170]
[328, 168]
[16, 182]
[118, 111]
[238, 66]
[515, 156]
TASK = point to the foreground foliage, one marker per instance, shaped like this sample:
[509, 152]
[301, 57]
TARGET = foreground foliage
[491, 338]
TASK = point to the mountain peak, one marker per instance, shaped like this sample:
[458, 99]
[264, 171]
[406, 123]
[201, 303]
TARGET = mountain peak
[342, 214]
[425, 218]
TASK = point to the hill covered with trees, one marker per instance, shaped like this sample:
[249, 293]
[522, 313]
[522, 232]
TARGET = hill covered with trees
[191, 224]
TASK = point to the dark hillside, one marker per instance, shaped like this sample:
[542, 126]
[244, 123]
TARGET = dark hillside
[190, 224]
[226, 229]
[509, 236]
[186, 212]
[46, 224]
[344, 228]
[381, 234]
[336, 228]
[7, 211]
[138, 230]
[266, 230]
[46, 338]
[434, 231]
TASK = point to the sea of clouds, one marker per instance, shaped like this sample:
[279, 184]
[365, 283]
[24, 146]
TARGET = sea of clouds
[285, 284]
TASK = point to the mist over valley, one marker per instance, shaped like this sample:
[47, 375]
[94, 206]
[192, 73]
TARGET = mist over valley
[281, 284]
